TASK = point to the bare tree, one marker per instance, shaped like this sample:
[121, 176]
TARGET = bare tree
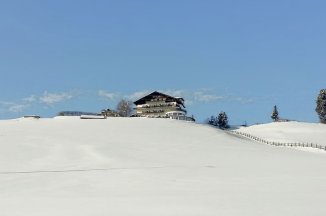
[124, 108]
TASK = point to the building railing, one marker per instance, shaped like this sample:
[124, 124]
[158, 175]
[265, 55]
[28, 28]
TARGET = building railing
[160, 110]
[183, 118]
[153, 111]
[157, 105]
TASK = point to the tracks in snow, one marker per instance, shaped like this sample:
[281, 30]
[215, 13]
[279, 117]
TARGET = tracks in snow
[98, 169]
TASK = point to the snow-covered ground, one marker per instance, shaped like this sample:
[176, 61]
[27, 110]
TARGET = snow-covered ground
[146, 167]
[289, 132]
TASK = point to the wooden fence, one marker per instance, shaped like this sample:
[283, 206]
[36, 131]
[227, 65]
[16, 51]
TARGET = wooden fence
[275, 143]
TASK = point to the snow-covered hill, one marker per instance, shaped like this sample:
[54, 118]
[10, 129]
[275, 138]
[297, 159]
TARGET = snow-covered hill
[289, 132]
[146, 167]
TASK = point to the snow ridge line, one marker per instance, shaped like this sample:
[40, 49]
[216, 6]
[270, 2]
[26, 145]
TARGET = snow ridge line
[275, 143]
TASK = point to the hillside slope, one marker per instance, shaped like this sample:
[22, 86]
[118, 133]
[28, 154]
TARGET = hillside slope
[146, 167]
[289, 132]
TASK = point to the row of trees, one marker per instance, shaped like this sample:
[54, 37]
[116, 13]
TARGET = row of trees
[221, 120]
[124, 109]
[320, 108]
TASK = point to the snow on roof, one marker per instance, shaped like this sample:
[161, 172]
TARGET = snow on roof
[143, 99]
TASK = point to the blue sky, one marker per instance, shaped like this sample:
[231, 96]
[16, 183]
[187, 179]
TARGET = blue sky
[241, 57]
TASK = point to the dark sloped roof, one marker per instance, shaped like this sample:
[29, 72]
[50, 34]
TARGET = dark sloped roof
[156, 93]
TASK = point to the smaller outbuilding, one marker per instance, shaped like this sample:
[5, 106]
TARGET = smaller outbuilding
[32, 117]
[92, 117]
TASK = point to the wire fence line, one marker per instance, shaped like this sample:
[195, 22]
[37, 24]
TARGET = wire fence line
[275, 143]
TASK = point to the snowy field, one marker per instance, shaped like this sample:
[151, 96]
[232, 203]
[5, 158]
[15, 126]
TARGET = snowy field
[156, 167]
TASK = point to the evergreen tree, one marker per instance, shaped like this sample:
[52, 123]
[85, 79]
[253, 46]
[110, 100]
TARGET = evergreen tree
[321, 106]
[212, 121]
[274, 115]
[222, 120]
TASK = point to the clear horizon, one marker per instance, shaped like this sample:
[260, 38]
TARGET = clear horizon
[234, 56]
